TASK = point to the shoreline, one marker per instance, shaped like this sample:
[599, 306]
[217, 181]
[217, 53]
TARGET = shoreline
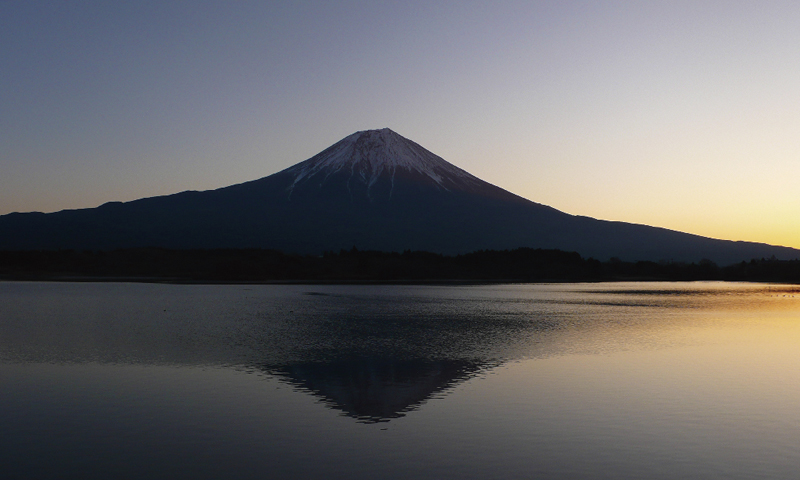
[420, 282]
[254, 266]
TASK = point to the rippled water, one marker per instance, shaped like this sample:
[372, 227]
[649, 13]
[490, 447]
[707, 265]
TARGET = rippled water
[649, 380]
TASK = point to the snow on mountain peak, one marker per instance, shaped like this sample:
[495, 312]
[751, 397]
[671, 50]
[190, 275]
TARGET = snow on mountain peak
[370, 154]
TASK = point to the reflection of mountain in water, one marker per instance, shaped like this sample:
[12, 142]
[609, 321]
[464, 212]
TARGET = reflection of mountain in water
[377, 389]
[371, 352]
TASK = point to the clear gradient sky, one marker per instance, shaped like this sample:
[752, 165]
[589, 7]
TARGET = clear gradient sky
[679, 114]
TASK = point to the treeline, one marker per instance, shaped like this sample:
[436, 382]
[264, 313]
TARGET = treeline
[254, 265]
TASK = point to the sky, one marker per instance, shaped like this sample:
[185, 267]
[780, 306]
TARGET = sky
[677, 114]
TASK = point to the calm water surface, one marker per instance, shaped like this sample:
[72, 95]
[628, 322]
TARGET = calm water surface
[648, 380]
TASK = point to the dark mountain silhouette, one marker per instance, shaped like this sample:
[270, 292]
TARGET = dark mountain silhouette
[374, 190]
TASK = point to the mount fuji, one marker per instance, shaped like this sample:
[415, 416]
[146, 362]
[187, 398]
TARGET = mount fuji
[374, 190]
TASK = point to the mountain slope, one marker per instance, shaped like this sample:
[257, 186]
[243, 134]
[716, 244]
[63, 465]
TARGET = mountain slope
[374, 190]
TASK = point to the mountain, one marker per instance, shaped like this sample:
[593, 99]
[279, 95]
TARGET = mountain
[373, 190]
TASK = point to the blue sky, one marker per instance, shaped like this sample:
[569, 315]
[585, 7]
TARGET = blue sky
[677, 114]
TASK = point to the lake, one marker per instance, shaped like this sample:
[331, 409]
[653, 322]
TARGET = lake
[604, 380]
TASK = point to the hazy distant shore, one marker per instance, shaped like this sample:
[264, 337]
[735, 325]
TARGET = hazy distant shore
[354, 266]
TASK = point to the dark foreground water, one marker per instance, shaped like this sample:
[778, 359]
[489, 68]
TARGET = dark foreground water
[647, 380]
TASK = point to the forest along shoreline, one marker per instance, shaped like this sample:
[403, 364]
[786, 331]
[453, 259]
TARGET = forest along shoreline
[357, 266]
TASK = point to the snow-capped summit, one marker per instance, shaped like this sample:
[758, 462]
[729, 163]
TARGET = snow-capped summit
[372, 157]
